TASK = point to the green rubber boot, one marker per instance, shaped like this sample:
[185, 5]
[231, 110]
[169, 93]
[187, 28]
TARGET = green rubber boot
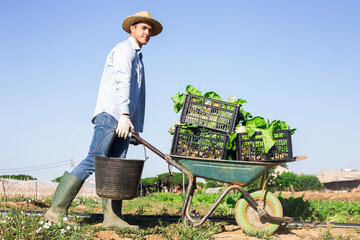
[65, 193]
[112, 214]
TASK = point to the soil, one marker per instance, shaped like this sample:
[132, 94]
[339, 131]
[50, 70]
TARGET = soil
[103, 235]
[25, 205]
[234, 232]
[325, 196]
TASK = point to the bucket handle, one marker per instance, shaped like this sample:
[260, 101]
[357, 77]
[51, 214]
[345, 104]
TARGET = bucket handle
[93, 153]
[155, 150]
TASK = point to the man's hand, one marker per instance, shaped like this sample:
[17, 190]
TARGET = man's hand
[124, 126]
[133, 141]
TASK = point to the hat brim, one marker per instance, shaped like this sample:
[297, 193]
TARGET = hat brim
[157, 27]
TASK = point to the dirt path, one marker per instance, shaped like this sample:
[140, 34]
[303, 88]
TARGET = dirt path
[233, 232]
[325, 196]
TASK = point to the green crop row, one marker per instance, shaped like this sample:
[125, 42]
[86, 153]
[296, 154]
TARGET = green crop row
[321, 211]
[297, 208]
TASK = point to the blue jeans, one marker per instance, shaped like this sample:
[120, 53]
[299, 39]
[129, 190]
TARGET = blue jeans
[109, 146]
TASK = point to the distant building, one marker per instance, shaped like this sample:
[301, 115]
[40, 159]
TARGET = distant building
[340, 180]
[279, 169]
[212, 190]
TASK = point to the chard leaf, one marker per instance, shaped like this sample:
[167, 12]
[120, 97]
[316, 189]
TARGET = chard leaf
[212, 95]
[284, 125]
[256, 122]
[244, 115]
[232, 136]
[251, 130]
[231, 144]
[192, 90]
[238, 101]
[275, 125]
[267, 124]
[267, 136]
[178, 100]
[234, 147]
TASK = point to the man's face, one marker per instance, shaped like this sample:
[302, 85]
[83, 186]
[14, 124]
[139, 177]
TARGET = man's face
[141, 32]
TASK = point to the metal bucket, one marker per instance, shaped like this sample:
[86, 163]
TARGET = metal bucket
[117, 178]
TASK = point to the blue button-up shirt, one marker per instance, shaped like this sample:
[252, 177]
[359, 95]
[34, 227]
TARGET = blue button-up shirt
[122, 86]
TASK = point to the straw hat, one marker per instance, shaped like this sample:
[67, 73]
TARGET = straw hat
[143, 16]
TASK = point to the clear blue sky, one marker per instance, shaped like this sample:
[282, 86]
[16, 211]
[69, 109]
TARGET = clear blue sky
[297, 61]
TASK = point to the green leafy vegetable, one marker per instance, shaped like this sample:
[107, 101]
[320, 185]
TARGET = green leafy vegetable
[231, 144]
[237, 101]
[244, 116]
[267, 136]
[178, 100]
[192, 90]
[258, 124]
[245, 120]
[212, 95]
[253, 125]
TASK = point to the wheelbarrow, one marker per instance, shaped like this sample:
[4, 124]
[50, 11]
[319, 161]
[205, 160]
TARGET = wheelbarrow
[256, 210]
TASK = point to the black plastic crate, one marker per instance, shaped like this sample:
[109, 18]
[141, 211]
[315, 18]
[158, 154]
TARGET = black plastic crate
[252, 149]
[197, 142]
[210, 113]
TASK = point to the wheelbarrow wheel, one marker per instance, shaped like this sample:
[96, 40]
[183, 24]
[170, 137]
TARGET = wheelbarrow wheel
[248, 218]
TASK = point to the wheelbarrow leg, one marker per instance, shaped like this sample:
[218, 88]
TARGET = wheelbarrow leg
[189, 193]
[190, 189]
[206, 216]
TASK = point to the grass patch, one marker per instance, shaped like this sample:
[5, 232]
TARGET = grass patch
[186, 231]
[18, 225]
[258, 233]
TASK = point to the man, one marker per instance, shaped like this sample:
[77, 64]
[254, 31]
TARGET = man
[120, 106]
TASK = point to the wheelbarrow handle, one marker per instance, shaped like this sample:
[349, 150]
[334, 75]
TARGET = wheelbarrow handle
[301, 157]
[148, 145]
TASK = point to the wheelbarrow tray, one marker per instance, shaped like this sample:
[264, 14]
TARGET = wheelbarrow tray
[241, 173]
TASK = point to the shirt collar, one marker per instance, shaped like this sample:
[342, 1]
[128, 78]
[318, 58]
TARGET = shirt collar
[133, 43]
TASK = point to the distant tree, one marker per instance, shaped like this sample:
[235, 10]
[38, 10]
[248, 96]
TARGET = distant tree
[177, 179]
[309, 182]
[148, 185]
[171, 181]
[211, 184]
[149, 182]
[285, 179]
[57, 179]
[18, 177]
